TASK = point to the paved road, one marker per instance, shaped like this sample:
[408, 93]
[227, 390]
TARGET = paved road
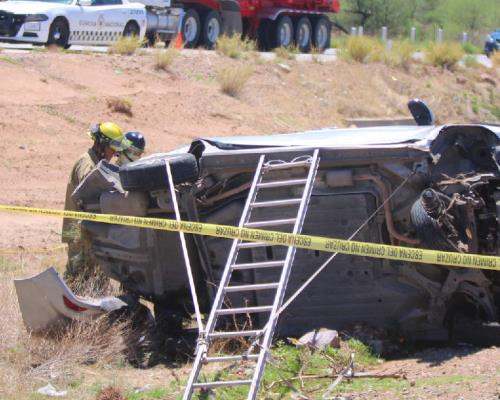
[329, 55]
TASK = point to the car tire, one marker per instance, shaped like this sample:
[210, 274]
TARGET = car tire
[59, 33]
[149, 173]
[212, 29]
[322, 34]
[303, 34]
[191, 28]
[131, 29]
[283, 33]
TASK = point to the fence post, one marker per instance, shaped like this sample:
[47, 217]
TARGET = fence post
[465, 37]
[413, 34]
[440, 35]
[360, 31]
[354, 31]
[384, 33]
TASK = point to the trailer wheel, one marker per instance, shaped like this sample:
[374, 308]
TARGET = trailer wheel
[322, 33]
[303, 34]
[264, 40]
[149, 173]
[283, 35]
[191, 28]
[212, 28]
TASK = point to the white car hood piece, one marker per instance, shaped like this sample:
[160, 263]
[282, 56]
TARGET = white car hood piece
[30, 7]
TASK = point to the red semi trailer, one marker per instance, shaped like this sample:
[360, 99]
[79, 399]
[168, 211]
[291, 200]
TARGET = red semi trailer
[273, 23]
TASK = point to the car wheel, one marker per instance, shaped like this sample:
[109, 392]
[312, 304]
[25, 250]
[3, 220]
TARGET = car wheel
[322, 34]
[212, 28]
[191, 28]
[303, 34]
[283, 35]
[131, 29]
[59, 33]
[149, 173]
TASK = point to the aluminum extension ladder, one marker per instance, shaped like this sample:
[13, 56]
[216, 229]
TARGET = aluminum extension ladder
[262, 338]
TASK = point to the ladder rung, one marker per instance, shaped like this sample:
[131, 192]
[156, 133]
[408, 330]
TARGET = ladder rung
[250, 357]
[251, 245]
[275, 203]
[272, 222]
[289, 182]
[207, 385]
[233, 334]
[255, 286]
[244, 310]
[286, 165]
[264, 264]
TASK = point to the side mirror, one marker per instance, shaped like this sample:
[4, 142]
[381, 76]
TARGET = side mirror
[421, 112]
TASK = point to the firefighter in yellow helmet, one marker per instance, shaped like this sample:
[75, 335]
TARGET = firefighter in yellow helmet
[108, 141]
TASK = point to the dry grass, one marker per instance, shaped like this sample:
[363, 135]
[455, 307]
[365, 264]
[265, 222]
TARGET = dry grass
[126, 46]
[28, 361]
[232, 78]
[286, 53]
[362, 48]
[163, 58]
[234, 46]
[403, 51]
[120, 105]
[495, 58]
[445, 55]
[110, 393]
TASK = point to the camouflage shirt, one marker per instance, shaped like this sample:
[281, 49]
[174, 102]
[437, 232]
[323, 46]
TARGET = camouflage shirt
[84, 166]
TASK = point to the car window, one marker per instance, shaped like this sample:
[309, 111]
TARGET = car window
[106, 2]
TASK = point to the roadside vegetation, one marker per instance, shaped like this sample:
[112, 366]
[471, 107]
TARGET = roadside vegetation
[120, 105]
[232, 78]
[446, 55]
[163, 59]
[126, 46]
[234, 46]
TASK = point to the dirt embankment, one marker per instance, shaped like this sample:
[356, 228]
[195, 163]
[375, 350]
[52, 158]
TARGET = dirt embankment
[48, 100]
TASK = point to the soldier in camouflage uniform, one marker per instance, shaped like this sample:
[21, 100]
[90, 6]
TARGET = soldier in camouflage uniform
[108, 140]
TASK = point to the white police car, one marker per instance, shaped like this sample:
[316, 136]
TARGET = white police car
[67, 22]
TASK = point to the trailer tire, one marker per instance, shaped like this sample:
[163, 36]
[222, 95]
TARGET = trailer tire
[150, 173]
[322, 33]
[191, 28]
[212, 29]
[264, 41]
[303, 34]
[283, 32]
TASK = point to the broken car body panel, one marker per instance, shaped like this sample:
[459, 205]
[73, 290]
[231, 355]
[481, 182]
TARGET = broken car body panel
[46, 302]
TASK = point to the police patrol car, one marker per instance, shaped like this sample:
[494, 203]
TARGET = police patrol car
[67, 22]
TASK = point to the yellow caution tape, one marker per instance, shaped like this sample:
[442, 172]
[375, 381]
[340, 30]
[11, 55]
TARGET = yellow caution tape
[278, 238]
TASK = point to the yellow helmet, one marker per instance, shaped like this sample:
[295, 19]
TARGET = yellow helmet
[110, 134]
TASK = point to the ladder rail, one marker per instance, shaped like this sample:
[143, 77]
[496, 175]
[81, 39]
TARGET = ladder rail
[285, 275]
[226, 275]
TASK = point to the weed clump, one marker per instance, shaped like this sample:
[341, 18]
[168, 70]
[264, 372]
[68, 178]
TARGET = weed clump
[362, 49]
[164, 58]
[232, 79]
[286, 53]
[126, 46]
[120, 105]
[233, 46]
[445, 55]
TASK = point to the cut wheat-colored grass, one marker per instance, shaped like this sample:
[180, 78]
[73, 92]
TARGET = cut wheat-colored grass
[286, 53]
[495, 58]
[120, 105]
[445, 55]
[362, 48]
[126, 46]
[163, 59]
[234, 46]
[232, 78]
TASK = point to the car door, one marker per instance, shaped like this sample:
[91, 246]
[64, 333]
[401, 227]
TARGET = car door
[100, 22]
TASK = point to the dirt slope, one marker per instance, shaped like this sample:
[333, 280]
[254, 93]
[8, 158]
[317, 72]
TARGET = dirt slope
[47, 100]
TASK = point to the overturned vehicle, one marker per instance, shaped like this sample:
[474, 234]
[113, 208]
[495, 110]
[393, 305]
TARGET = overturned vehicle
[434, 187]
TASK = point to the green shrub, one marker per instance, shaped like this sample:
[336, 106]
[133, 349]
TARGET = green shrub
[126, 45]
[445, 55]
[164, 58]
[403, 51]
[233, 46]
[470, 48]
[233, 78]
[363, 49]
